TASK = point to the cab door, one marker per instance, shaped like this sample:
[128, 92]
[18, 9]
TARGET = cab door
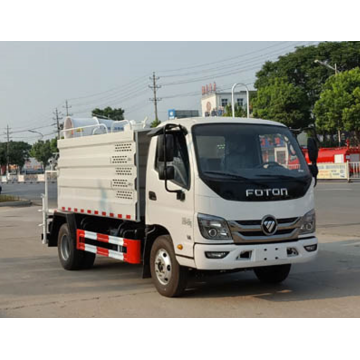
[173, 211]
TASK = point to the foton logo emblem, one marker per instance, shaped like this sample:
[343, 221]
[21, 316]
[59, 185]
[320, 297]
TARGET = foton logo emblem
[267, 192]
[269, 225]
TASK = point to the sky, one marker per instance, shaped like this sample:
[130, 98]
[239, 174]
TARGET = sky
[38, 77]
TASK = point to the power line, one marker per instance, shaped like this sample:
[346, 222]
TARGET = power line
[137, 106]
[223, 60]
[35, 136]
[115, 94]
[112, 89]
[241, 69]
[155, 99]
[130, 95]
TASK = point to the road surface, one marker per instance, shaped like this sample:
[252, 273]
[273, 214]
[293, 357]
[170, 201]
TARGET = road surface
[33, 284]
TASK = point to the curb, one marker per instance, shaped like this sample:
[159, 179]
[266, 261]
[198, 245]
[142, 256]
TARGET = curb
[16, 203]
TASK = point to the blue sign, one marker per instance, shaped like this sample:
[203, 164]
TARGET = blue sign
[171, 114]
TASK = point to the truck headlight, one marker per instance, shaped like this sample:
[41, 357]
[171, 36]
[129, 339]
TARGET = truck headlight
[213, 227]
[308, 225]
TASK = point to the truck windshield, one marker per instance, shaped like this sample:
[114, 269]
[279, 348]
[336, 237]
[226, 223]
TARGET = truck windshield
[248, 153]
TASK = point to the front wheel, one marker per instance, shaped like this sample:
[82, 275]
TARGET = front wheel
[272, 274]
[168, 276]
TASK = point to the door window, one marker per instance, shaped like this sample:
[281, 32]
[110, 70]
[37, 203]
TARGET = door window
[180, 162]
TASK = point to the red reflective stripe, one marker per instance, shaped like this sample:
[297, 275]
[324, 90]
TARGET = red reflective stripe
[133, 252]
[80, 239]
[82, 210]
[69, 209]
[89, 211]
[119, 216]
[103, 213]
[103, 238]
[102, 251]
[63, 207]
[75, 209]
[111, 214]
[96, 212]
[128, 217]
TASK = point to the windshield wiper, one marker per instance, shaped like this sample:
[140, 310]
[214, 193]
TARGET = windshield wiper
[234, 176]
[284, 177]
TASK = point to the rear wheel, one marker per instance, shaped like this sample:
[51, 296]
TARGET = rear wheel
[168, 276]
[272, 274]
[70, 257]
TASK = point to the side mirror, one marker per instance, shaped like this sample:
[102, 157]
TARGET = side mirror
[170, 173]
[314, 170]
[168, 148]
[313, 150]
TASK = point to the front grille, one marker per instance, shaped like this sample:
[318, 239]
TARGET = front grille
[258, 222]
[260, 233]
[249, 231]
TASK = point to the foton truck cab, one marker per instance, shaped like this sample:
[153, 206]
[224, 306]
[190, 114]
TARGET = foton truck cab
[199, 193]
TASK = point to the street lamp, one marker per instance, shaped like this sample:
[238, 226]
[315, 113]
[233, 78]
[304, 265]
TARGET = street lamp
[323, 63]
[37, 132]
[247, 99]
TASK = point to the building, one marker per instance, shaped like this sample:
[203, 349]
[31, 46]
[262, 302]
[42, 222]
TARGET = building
[182, 114]
[214, 101]
[32, 166]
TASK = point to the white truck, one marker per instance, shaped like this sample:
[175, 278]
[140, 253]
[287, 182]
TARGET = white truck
[191, 194]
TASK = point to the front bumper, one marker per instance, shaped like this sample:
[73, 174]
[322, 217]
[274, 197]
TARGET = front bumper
[249, 256]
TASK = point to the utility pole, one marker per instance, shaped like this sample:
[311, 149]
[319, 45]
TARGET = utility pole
[155, 99]
[336, 73]
[57, 119]
[67, 107]
[7, 151]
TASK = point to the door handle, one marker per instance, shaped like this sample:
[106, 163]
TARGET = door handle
[152, 196]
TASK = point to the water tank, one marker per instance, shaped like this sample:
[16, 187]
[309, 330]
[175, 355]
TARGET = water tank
[76, 127]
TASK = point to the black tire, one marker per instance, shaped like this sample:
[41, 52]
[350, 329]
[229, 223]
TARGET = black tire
[176, 283]
[88, 260]
[70, 257]
[272, 274]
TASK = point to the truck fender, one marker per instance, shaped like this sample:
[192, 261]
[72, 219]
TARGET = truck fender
[59, 219]
[151, 234]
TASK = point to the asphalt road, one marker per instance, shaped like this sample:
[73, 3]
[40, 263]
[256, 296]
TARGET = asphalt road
[33, 284]
[32, 191]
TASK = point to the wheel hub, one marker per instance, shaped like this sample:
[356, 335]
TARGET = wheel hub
[163, 266]
[65, 247]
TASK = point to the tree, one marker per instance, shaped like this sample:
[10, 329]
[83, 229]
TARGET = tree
[300, 70]
[18, 153]
[282, 101]
[53, 146]
[155, 123]
[339, 105]
[109, 113]
[2, 154]
[239, 111]
[42, 151]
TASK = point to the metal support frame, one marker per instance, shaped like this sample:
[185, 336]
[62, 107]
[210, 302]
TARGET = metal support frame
[45, 207]
[233, 100]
